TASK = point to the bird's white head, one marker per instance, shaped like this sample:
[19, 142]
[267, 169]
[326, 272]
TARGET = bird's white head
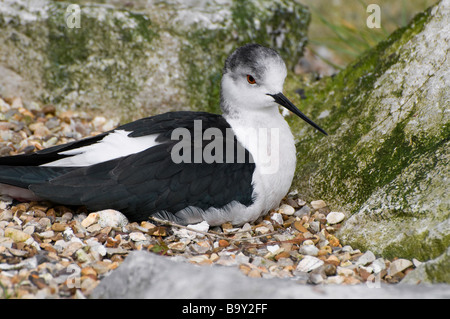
[250, 73]
[253, 79]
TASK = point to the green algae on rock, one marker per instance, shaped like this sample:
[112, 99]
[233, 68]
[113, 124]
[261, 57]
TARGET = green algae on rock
[386, 160]
[128, 64]
[432, 271]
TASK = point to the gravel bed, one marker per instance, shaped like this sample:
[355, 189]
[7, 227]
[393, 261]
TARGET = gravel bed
[54, 251]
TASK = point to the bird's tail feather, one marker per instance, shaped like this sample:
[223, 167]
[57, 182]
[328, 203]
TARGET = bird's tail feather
[24, 176]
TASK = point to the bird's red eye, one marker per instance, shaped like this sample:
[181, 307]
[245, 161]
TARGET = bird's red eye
[251, 79]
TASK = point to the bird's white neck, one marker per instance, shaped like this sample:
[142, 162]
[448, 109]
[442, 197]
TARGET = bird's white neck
[267, 136]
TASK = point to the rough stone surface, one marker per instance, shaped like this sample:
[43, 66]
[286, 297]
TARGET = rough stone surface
[146, 275]
[436, 270]
[159, 56]
[385, 161]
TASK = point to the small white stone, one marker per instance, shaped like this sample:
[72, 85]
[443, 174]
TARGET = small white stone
[31, 242]
[94, 228]
[89, 220]
[60, 245]
[310, 250]
[111, 218]
[286, 209]
[309, 263]
[316, 204]
[335, 217]
[378, 265]
[347, 249]
[277, 218]
[304, 211]
[68, 233]
[242, 259]
[47, 234]
[273, 248]
[184, 233]
[203, 226]
[137, 236]
[366, 259]
[29, 230]
[398, 266]
[100, 249]
[315, 279]
[246, 227]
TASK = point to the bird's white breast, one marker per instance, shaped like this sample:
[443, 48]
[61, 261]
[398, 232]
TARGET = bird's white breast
[269, 139]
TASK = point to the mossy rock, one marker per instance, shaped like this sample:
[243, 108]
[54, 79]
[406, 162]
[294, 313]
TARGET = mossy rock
[385, 161]
[129, 64]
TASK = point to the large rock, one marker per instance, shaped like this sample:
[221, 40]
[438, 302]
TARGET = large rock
[435, 270]
[386, 160]
[160, 56]
[147, 275]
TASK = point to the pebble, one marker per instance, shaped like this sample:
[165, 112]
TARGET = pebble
[273, 249]
[47, 234]
[137, 236]
[366, 259]
[277, 218]
[314, 227]
[316, 204]
[335, 217]
[59, 227]
[329, 269]
[398, 266]
[310, 250]
[16, 235]
[309, 263]
[89, 220]
[286, 209]
[333, 260]
[378, 265]
[29, 229]
[304, 211]
[315, 279]
[111, 218]
[45, 223]
[299, 226]
[203, 226]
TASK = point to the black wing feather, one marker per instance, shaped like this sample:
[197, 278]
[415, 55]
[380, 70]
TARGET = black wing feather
[50, 154]
[145, 183]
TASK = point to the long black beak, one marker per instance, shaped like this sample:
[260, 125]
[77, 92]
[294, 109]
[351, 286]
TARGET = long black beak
[283, 101]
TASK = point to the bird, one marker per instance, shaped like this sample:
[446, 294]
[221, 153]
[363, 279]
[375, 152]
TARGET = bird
[185, 167]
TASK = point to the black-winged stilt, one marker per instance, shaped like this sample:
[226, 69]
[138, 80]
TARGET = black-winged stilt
[186, 167]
